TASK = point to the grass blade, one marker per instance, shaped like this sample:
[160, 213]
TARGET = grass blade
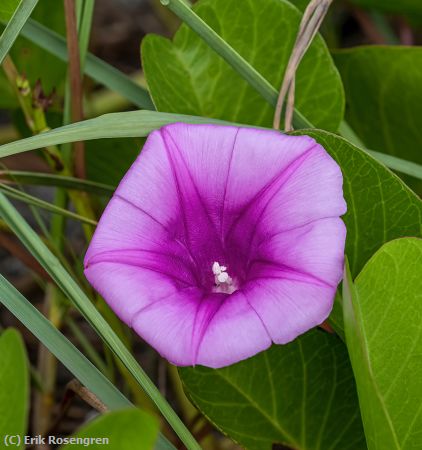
[34, 201]
[398, 164]
[96, 68]
[75, 294]
[124, 124]
[49, 179]
[85, 29]
[140, 124]
[14, 26]
[65, 351]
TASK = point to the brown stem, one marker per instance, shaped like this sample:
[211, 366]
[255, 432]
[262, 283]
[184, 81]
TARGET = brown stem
[368, 27]
[75, 388]
[405, 32]
[87, 396]
[75, 81]
[11, 244]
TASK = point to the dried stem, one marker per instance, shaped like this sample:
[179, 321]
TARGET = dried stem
[75, 81]
[87, 396]
[309, 26]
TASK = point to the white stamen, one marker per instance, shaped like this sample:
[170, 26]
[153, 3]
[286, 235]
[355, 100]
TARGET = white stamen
[223, 282]
[216, 268]
[220, 274]
[223, 277]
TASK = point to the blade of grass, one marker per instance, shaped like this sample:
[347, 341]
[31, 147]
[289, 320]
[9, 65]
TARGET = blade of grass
[96, 68]
[72, 290]
[31, 200]
[124, 124]
[141, 123]
[14, 26]
[85, 29]
[66, 352]
[47, 179]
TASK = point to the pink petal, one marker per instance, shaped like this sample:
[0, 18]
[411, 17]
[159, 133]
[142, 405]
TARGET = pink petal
[264, 205]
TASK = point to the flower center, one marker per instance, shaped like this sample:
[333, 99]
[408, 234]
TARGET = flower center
[223, 282]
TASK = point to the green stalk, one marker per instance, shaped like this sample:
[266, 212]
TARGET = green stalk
[48, 179]
[31, 200]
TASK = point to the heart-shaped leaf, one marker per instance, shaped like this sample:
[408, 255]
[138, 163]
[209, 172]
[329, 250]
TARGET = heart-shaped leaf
[186, 76]
[301, 394]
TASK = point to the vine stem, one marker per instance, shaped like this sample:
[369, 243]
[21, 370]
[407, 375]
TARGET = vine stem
[75, 81]
[309, 26]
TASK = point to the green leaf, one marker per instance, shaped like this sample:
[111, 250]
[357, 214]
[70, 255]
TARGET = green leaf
[65, 351]
[7, 8]
[180, 81]
[79, 299]
[300, 4]
[14, 385]
[14, 26]
[125, 430]
[383, 323]
[380, 207]
[301, 394]
[384, 98]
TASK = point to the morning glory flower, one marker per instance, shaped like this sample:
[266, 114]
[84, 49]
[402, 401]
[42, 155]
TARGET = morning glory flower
[220, 241]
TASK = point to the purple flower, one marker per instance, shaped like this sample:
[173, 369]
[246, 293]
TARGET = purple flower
[221, 240]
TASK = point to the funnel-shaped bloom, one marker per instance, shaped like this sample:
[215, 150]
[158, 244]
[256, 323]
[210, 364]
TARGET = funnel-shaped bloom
[221, 240]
